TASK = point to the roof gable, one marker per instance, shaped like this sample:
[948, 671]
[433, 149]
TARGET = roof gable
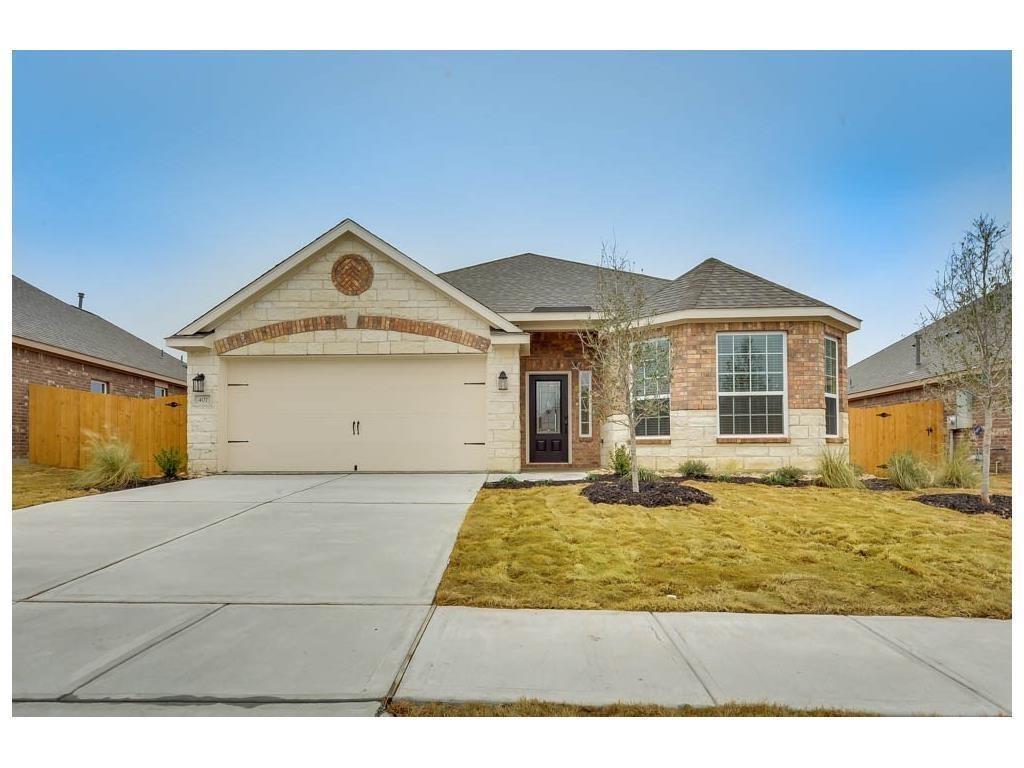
[713, 284]
[226, 308]
[37, 316]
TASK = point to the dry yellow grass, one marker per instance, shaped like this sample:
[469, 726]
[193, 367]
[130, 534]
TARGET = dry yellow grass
[756, 549]
[534, 708]
[35, 484]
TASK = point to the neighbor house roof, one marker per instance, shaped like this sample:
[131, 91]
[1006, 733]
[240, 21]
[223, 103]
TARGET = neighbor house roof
[44, 319]
[899, 365]
[530, 282]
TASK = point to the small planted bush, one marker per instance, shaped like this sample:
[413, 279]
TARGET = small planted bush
[170, 460]
[646, 475]
[111, 465]
[959, 469]
[728, 470]
[621, 465]
[836, 471]
[787, 475]
[907, 471]
[693, 468]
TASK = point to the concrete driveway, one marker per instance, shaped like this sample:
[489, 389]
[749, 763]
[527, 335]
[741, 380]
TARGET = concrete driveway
[231, 594]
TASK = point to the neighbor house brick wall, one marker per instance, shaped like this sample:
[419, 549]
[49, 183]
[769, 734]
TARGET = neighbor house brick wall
[1002, 446]
[33, 366]
[393, 292]
[559, 351]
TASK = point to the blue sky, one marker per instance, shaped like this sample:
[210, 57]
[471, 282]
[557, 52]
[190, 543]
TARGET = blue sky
[159, 183]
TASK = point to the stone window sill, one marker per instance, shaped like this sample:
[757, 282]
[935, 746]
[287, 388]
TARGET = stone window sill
[654, 441]
[752, 440]
[836, 440]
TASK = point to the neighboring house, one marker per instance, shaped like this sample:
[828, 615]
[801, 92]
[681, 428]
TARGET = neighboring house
[904, 372]
[349, 355]
[62, 345]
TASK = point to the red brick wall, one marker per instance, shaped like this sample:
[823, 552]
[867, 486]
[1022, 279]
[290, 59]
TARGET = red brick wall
[32, 366]
[694, 362]
[559, 351]
[1002, 446]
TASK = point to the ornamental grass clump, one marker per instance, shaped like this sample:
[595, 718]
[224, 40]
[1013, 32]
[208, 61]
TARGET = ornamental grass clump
[958, 469]
[907, 472]
[836, 471]
[111, 465]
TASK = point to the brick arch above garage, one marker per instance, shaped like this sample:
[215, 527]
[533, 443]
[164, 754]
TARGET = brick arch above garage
[339, 322]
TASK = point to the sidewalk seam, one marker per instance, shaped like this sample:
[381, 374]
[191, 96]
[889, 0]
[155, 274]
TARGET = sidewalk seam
[683, 656]
[393, 689]
[934, 666]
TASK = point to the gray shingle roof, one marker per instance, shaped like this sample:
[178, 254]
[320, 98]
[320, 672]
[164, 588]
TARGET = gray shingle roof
[530, 281]
[40, 317]
[897, 363]
[713, 284]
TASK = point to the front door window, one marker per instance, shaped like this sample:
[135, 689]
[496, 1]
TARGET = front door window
[549, 408]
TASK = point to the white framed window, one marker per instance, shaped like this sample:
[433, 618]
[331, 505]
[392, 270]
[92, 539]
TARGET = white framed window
[651, 377]
[159, 391]
[585, 403]
[752, 398]
[831, 387]
[99, 387]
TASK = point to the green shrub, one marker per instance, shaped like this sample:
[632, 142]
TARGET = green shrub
[692, 468]
[958, 470]
[170, 460]
[907, 471]
[787, 475]
[621, 465]
[836, 471]
[507, 482]
[111, 465]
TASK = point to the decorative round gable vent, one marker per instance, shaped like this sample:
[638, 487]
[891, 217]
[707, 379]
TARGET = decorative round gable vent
[352, 274]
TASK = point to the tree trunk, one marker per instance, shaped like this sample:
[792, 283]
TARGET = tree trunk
[634, 470]
[986, 455]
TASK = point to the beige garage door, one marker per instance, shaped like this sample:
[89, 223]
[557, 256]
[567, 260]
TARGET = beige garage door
[374, 414]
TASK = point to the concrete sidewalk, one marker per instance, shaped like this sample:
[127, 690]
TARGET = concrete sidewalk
[886, 665]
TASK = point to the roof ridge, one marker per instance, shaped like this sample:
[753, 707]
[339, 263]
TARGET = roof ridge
[667, 280]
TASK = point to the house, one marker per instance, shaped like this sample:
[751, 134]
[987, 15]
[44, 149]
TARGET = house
[351, 356]
[904, 372]
[61, 345]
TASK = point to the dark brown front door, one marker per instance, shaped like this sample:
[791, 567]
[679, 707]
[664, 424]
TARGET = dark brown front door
[549, 417]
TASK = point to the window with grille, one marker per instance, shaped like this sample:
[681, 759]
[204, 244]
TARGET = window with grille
[751, 384]
[651, 376]
[831, 387]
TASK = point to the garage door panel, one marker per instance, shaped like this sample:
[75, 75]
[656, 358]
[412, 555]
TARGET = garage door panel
[422, 413]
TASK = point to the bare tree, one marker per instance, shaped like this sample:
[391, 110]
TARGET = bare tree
[970, 339]
[630, 368]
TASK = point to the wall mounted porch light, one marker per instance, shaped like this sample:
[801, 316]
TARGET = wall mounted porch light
[199, 382]
[502, 381]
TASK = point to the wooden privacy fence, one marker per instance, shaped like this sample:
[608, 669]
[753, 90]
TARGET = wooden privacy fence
[62, 421]
[878, 433]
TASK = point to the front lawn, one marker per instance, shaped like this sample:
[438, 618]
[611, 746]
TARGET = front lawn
[36, 484]
[757, 548]
[533, 708]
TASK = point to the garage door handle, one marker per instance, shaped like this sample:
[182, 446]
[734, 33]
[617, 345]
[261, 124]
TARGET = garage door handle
[357, 427]
[353, 427]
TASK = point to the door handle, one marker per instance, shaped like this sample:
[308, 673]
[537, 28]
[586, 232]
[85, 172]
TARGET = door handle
[353, 427]
[357, 427]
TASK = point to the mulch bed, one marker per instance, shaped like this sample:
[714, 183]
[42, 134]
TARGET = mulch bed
[512, 484]
[969, 503]
[879, 484]
[142, 482]
[652, 494]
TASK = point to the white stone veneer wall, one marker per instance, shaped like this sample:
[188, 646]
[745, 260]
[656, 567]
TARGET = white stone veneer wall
[204, 420]
[695, 436]
[503, 440]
